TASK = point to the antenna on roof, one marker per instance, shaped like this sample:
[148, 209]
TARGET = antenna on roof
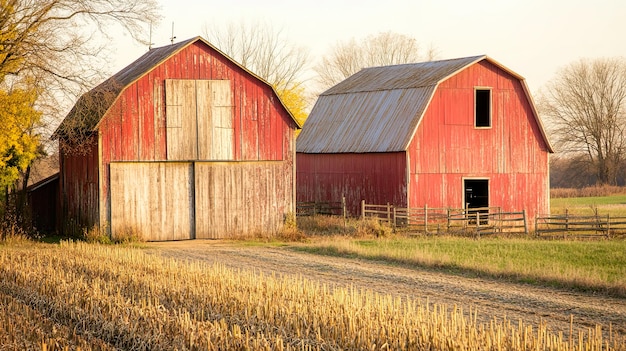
[150, 43]
[172, 37]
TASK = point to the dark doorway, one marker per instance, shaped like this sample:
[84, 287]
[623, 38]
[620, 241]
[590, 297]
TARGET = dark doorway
[477, 196]
[476, 193]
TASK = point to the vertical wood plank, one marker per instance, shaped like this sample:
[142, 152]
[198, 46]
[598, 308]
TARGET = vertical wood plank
[180, 114]
[222, 112]
[204, 99]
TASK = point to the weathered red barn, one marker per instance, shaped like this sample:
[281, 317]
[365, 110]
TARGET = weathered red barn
[454, 133]
[183, 143]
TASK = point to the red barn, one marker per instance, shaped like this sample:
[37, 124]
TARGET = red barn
[183, 143]
[451, 133]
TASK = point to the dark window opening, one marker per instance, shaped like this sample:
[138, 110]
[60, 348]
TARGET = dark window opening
[483, 108]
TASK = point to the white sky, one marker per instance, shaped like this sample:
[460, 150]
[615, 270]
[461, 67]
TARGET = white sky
[532, 37]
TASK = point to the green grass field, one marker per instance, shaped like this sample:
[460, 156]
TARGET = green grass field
[585, 265]
[614, 205]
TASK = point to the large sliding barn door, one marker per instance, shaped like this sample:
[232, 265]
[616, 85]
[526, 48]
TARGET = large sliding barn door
[154, 199]
[239, 198]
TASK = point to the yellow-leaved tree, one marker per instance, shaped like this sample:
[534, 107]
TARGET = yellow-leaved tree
[294, 99]
[18, 141]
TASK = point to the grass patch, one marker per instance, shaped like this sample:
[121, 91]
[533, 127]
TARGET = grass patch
[591, 266]
[614, 205]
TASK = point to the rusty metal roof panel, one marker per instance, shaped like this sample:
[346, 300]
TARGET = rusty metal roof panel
[369, 121]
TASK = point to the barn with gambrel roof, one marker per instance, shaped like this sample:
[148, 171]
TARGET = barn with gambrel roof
[453, 133]
[183, 143]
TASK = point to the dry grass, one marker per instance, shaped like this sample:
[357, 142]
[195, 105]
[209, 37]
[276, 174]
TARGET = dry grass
[88, 296]
[336, 225]
[605, 190]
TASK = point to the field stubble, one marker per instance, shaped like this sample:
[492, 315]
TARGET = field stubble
[103, 297]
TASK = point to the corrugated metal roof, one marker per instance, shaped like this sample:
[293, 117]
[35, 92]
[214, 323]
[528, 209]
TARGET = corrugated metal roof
[93, 105]
[375, 110]
[378, 109]
[406, 76]
[369, 121]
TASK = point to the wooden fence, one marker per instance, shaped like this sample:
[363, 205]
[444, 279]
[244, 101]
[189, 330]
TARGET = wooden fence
[474, 221]
[322, 208]
[567, 225]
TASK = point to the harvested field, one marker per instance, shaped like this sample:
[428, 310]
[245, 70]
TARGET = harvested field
[214, 295]
[492, 298]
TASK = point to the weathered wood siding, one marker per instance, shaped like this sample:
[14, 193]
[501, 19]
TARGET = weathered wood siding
[209, 200]
[199, 119]
[78, 186]
[181, 120]
[378, 178]
[153, 199]
[241, 198]
[511, 153]
[249, 118]
[43, 199]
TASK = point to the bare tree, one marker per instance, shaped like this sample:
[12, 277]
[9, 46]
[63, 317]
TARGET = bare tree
[388, 48]
[586, 107]
[60, 46]
[263, 50]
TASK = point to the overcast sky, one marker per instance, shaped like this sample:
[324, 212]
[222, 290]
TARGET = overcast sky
[532, 37]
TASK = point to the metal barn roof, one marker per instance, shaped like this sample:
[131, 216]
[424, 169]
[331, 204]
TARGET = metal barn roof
[378, 109]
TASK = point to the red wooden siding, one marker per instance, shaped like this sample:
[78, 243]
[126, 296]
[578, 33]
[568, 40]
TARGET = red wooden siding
[134, 129]
[375, 177]
[78, 185]
[447, 148]
[139, 114]
[43, 198]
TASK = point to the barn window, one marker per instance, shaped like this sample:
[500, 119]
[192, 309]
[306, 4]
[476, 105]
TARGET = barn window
[482, 112]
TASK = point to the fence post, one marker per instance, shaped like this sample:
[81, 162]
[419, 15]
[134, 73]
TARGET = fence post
[608, 225]
[363, 209]
[394, 219]
[388, 213]
[566, 224]
[448, 218]
[343, 209]
[478, 224]
[525, 222]
[426, 218]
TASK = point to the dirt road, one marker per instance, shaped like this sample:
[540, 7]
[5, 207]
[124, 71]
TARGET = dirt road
[531, 304]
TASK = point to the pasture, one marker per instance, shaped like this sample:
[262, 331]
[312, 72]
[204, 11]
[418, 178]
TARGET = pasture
[615, 205]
